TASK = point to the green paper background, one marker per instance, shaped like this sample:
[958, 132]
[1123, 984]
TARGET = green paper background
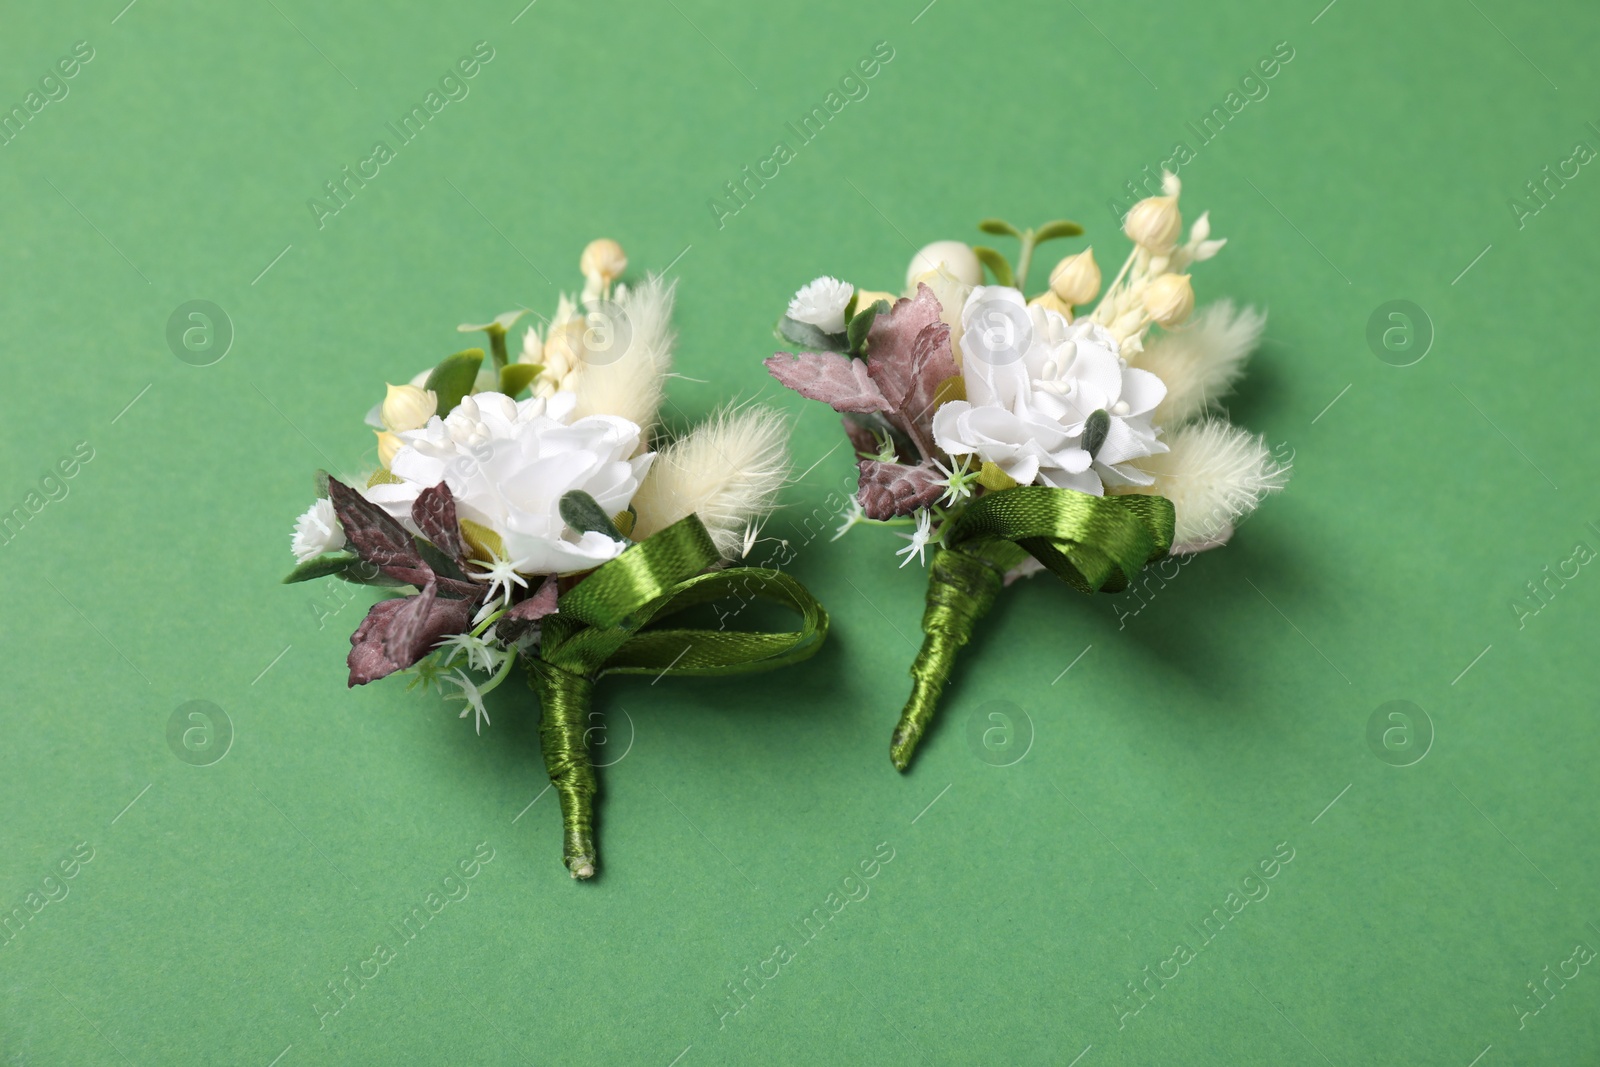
[1227, 718]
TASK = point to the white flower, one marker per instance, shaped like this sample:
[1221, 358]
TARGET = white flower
[958, 479]
[317, 531]
[853, 515]
[480, 652]
[508, 465]
[501, 576]
[1032, 382]
[472, 697]
[821, 303]
[919, 539]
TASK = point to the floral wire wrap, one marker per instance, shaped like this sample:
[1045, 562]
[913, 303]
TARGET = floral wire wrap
[598, 629]
[1093, 543]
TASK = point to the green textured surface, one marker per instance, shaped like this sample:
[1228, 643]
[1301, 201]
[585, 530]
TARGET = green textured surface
[1184, 745]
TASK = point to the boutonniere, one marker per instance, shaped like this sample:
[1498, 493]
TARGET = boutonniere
[532, 513]
[1013, 434]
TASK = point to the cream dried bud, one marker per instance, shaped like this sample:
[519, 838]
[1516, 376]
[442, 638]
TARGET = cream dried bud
[1169, 299]
[604, 259]
[865, 298]
[1154, 223]
[1076, 279]
[388, 445]
[1051, 302]
[408, 407]
[957, 257]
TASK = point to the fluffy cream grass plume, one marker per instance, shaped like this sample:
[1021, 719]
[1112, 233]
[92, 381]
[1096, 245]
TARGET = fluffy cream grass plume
[1201, 361]
[728, 470]
[628, 380]
[1215, 475]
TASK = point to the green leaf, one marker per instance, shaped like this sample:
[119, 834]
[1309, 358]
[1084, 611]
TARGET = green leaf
[345, 565]
[856, 332]
[583, 513]
[322, 485]
[998, 227]
[1059, 228]
[503, 322]
[996, 263]
[515, 377]
[1095, 428]
[321, 567]
[438, 561]
[850, 308]
[452, 379]
[809, 337]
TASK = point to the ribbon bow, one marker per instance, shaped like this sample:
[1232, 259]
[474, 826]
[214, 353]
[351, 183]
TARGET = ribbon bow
[599, 628]
[1093, 543]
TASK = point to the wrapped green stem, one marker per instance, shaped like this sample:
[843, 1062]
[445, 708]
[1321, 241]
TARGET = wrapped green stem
[961, 588]
[563, 719]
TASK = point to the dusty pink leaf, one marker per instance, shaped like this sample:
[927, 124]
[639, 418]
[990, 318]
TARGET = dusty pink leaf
[838, 381]
[908, 355]
[889, 490]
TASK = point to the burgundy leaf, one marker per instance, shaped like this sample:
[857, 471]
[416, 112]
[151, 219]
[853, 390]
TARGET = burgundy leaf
[405, 626]
[892, 489]
[376, 537]
[860, 436]
[540, 604]
[434, 512]
[370, 658]
[522, 615]
[838, 381]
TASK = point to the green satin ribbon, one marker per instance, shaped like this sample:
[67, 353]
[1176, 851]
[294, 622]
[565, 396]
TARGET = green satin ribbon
[599, 628]
[1093, 543]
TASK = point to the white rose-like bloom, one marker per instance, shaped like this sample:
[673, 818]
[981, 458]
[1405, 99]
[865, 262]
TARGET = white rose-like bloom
[821, 303]
[1032, 382]
[508, 465]
[316, 532]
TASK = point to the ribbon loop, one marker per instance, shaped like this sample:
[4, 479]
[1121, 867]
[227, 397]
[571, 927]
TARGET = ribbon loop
[1094, 543]
[642, 573]
[599, 627]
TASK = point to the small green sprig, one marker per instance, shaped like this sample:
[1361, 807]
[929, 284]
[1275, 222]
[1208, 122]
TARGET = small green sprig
[1030, 238]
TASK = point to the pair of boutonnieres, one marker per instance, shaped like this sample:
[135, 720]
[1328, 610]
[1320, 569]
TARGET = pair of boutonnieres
[562, 532]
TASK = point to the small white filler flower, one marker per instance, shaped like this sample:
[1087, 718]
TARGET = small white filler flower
[821, 303]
